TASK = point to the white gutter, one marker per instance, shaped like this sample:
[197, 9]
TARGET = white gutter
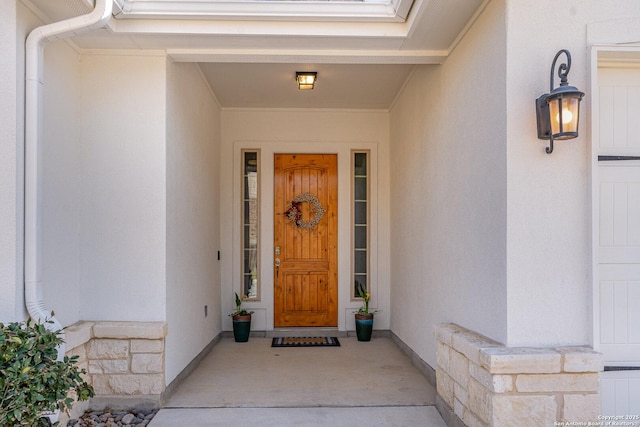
[36, 41]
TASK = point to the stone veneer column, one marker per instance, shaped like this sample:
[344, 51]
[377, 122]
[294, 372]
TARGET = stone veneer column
[482, 383]
[122, 359]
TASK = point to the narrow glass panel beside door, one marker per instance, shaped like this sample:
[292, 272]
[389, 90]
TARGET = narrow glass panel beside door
[360, 237]
[250, 225]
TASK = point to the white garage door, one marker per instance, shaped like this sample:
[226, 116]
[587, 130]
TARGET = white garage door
[618, 235]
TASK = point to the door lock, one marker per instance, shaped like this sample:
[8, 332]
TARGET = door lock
[277, 250]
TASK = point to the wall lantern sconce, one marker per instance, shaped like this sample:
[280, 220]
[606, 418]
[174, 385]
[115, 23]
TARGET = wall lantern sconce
[557, 112]
[306, 79]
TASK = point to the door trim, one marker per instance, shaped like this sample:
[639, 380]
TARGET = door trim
[230, 264]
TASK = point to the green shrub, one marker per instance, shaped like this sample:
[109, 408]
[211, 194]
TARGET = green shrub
[32, 380]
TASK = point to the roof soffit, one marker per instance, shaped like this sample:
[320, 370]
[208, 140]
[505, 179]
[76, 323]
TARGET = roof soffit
[227, 49]
[426, 36]
[281, 10]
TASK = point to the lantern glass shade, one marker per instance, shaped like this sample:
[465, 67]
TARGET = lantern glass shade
[564, 112]
[557, 112]
[306, 80]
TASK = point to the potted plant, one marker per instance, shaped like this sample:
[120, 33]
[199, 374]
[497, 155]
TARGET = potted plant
[241, 321]
[34, 383]
[364, 317]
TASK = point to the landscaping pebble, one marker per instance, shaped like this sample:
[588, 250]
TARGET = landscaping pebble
[109, 418]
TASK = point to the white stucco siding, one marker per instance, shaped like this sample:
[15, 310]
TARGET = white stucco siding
[549, 222]
[10, 149]
[305, 131]
[15, 24]
[448, 192]
[193, 272]
[123, 181]
[60, 186]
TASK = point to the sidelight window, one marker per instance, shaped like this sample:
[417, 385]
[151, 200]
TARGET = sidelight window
[360, 221]
[250, 224]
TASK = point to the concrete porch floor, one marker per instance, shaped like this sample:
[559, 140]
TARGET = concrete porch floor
[359, 383]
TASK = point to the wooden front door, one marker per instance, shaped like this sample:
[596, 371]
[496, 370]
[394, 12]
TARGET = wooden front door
[305, 240]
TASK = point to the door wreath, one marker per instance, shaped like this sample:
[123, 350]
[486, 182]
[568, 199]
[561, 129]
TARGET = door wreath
[294, 213]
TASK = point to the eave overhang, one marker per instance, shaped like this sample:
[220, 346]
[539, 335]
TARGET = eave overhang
[279, 10]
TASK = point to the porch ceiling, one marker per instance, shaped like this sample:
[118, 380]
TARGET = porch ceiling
[250, 61]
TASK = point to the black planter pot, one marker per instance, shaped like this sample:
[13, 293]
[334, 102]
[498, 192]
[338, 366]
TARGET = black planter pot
[241, 328]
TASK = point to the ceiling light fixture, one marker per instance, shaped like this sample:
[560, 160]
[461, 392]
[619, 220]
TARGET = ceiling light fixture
[306, 79]
[557, 112]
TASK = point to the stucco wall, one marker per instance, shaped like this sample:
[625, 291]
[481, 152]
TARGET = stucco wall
[448, 192]
[15, 24]
[531, 284]
[110, 179]
[471, 183]
[193, 273]
[122, 189]
[549, 223]
[10, 149]
[288, 131]
[60, 187]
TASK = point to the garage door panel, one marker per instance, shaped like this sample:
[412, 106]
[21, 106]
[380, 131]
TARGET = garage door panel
[620, 272]
[625, 255]
[620, 391]
[617, 284]
[619, 314]
[619, 92]
[616, 353]
[619, 212]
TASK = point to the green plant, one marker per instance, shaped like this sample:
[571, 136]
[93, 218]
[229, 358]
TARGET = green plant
[32, 380]
[239, 310]
[366, 296]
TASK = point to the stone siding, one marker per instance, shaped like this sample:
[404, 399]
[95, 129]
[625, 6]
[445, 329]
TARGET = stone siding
[122, 359]
[483, 383]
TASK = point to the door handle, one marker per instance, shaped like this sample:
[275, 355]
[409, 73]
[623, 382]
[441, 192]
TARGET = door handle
[277, 263]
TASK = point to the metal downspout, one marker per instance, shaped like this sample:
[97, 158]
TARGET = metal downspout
[36, 41]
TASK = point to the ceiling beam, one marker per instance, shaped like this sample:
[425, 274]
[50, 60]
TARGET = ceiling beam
[308, 56]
